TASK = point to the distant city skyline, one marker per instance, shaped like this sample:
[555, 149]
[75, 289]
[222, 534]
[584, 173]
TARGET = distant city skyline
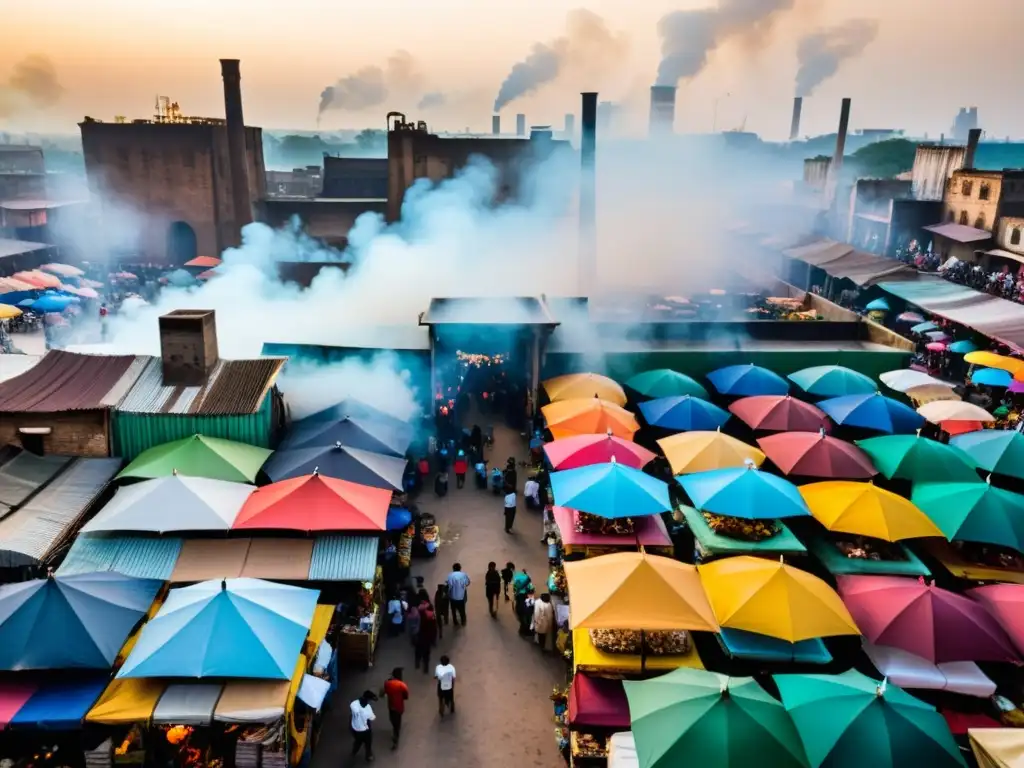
[113, 57]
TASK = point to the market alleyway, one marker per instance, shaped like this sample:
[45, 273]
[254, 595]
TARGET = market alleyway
[504, 716]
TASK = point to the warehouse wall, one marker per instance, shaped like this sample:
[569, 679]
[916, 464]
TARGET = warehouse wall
[73, 433]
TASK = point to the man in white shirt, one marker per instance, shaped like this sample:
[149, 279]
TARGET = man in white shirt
[510, 510]
[445, 674]
[362, 716]
[458, 583]
[531, 492]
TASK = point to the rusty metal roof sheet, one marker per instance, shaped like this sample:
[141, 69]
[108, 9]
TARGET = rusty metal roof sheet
[67, 381]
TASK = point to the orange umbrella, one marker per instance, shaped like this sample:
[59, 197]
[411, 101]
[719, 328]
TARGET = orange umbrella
[38, 279]
[576, 385]
[588, 416]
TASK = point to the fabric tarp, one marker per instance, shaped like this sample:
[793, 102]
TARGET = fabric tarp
[280, 559]
[997, 747]
[650, 531]
[189, 704]
[820, 252]
[313, 691]
[596, 702]
[622, 751]
[961, 233]
[910, 671]
[127, 701]
[1005, 255]
[59, 706]
[203, 559]
[321, 623]
[844, 261]
[252, 701]
[13, 695]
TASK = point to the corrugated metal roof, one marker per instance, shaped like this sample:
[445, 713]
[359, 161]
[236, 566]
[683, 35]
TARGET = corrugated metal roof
[343, 558]
[28, 534]
[65, 381]
[17, 247]
[24, 474]
[144, 557]
[234, 387]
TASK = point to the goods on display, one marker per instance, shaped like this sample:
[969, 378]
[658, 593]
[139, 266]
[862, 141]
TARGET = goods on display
[740, 528]
[589, 745]
[868, 548]
[631, 641]
[603, 526]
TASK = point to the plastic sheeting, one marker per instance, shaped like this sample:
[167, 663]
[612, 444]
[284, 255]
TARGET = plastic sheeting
[313, 691]
[189, 704]
[252, 701]
[910, 671]
[127, 701]
[844, 261]
[622, 751]
[59, 706]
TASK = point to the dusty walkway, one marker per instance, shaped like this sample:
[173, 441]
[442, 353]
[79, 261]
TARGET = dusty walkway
[504, 716]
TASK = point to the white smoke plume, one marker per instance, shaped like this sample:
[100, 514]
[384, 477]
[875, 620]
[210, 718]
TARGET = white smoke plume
[32, 84]
[588, 44]
[372, 86]
[688, 38]
[822, 53]
[432, 100]
[380, 383]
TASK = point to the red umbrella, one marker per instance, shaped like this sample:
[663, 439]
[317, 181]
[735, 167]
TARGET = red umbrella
[810, 455]
[1006, 603]
[584, 450]
[924, 620]
[779, 413]
[315, 503]
[961, 427]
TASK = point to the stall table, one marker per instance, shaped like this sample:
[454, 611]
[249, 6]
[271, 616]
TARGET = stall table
[588, 658]
[954, 562]
[838, 564]
[740, 644]
[710, 544]
[650, 533]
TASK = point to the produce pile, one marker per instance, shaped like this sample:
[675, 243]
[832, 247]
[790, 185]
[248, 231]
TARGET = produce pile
[741, 528]
[557, 581]
[990, 555]
[603, 526]
[628, 641]
[867, 548]
[589, 745]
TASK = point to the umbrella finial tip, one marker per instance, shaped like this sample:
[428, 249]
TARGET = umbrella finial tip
[614, 460]
[174, 472]
[223, 585]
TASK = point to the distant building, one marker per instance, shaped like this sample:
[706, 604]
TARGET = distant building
[966, 120]
[607, 118]
[353, 178]
[22, 172]
[297, 183]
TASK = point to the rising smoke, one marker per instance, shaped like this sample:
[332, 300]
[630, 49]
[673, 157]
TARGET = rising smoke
[372, 86]
[32, 84]
[820, 54]
[688, 38]
[432, 100]
[587, 45]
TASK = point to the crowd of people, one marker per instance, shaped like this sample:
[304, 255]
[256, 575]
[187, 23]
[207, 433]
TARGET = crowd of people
[1003, 282]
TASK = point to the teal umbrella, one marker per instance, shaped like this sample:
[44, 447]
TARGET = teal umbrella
[924, 327]
[977, 512]
[963, 347]
[878, 305]
[833, 381]
[852, 721]
[664, 382]
[610, 490]
[996, 450]
[916, 458]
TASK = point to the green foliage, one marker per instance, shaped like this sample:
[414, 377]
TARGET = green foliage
[884, 159]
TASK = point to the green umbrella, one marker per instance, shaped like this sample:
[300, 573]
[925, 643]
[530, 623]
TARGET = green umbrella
[851, 721]
[666, 383]
[693, 717]
[199, 456]
[913, 457]
[977, 512]
[996, 450]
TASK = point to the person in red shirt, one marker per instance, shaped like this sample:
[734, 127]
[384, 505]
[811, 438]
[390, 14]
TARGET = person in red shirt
[461, 465]
[426, 638]
[397, 692]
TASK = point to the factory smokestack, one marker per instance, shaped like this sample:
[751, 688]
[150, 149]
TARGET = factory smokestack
[570, 125]
[237, 155]
[663, 110]
[794, 127]
[973, 137]
[520, 125]
[588, 195]
[844, 126]
[496, 125]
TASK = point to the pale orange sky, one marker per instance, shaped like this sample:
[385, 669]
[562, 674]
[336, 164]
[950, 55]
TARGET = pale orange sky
[114, 56]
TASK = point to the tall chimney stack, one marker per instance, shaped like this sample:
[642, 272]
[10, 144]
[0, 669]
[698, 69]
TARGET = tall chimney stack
[496, 125]
[520, 125]
[237, 155]
[570, 125]
[973, 137]
[587, 264]
[663, 110]
[844, 126]
[794, 126]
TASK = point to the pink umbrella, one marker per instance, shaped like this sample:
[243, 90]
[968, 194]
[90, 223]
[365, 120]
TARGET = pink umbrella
[938, 336]
[924, 620]
[13, 696]
[810, 455]
[779, 413]
[1016, 387]
[584, 450]
[935, 346]
[1006, 603]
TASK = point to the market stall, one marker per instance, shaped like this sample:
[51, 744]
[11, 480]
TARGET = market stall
[720, 536]
[596, 708]
[583, 536]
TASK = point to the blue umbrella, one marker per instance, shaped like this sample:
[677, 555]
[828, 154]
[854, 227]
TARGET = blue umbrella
[353, 432]
[963, 347]
[747, 381]
[357, 466]
[991, 377]
[351, 407]
[743, 492]
[876, 412]
[832, 381]
[398, 518]
[232, 628]
[924, 327]
[65, 622]
[878, 305]
[52, 303]
[181, 278]
[610, 490]
[683, 413]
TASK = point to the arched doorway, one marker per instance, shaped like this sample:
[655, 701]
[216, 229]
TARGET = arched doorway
[181, 243]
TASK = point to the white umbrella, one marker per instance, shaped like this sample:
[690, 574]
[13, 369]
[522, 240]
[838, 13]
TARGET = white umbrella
[175, 503]
[953, 410]
[904, 379]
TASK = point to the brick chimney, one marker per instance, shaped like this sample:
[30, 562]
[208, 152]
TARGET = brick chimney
[237, 154]
[188, 346]
[496, 125]
[520, 125]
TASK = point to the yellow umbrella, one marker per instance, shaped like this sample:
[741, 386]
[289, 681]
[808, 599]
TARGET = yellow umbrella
[576, 385]
[939, 411]
[997, 747]
[774, 599]
[703, 451]
[588, 416]
[992, 360]
[634, 590]
[8, 312]
[866, 510]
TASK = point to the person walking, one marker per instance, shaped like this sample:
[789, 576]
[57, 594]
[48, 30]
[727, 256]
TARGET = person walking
[543, 620]
[492, 587]
[362, 716]
[511, 475]
[412, 619]
[441, 608]
[510, 508]
[397, 692]
[445, 674]
[426, 638]
[396, 612]
[506, 578]
[458, 585]
[461, 465]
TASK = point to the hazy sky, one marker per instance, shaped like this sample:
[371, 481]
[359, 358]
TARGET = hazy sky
[114, 56]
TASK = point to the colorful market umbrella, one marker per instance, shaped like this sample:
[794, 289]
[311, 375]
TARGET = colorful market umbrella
[864, 509]
[940, 411]
[916, 458]
[170, 504]
[875, 411]
[199, 456]
[9, 312]
[935, 346]
[963, 347]
[351, 464]
[610, 490]
[583, 450]
[233, 628]
[809, 455]
[779, 413]
[832, 381]
[771, 598]
[690, 452]
[694, 717]
[353, 432]
[1006, 604]
[635, 590]
[62, 270]
[65, 622]
[584, 385]
[904, 379]
[992, 360]
[1016, 386]
[37, 278]
[588, 416]
[878, 305]
[976, 511]
[991, 377]
[683, 413]
[850, 721]
[939, 336]
[924, 327]
[52, 303]
[747, 380]
[924, 620]
[315, 503]
[743, 492]
[996, 450]
[352, 408]
[997, 747]
[666, 383]
[909, 317]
